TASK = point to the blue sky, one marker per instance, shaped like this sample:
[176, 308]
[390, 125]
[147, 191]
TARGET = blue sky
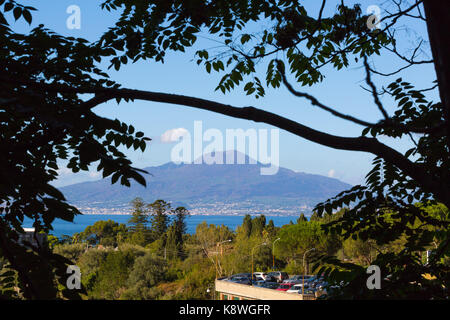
[180, 74]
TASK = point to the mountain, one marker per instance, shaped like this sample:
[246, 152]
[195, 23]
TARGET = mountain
[211, 189]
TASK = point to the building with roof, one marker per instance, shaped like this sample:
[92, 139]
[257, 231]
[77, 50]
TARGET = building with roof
[30, 237]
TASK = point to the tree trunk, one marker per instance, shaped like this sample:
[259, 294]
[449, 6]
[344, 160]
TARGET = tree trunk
[438, 17]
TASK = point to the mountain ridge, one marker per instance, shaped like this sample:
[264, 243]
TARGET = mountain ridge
[239, 187]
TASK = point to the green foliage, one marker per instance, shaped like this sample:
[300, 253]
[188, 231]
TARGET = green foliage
[45, 120]
[258, 225]
[246, 228]
[147, 272]
[138, 273]
[304, 45]
[294, 267]
[42, 265]
[197, 280]
[297, 239]
[141, 293]
[8, 280]
[362, 252]
[139, 219]
[173, 247]
[70, 251]
[386, 207]
[91, 260]
[106, 233]
[138, 223]
[175, 26]
[270, 229]
[159, 211]
[210, 235]
[52, 241]
[302, 218]
[112, 275]
[42, 126]
[174, 235]
[181, 213]
[400, 255]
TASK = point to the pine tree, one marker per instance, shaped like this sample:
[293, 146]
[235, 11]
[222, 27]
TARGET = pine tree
[139, 215]
[302, 218]
[172, 245]
[138, 223]
[314, 217]
[270, 228]
[175, 232]
[180, 222]
[159, 220]
[258, 224]
[247, 225]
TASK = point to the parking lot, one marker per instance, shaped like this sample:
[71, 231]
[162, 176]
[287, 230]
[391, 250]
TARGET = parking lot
[281, 281]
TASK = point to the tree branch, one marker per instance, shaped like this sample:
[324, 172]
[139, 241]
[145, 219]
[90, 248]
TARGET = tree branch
[390, 73]
[316, 102]
[376, 99]
[364, 144]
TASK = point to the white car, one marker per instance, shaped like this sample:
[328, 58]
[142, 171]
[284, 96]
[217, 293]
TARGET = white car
[296, 288]
[260, 275]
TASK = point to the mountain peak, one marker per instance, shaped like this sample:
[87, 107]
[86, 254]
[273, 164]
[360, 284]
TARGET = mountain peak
[225, 157]
[237, 189]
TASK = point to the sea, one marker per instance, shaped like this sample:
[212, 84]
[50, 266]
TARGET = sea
[61, 227]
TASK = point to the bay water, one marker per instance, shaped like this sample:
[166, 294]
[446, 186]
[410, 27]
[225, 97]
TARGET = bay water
[61, 227]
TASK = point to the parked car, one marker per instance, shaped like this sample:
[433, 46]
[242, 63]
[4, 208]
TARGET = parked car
[278, 276]
[271, 285]
[284, 286]
[240, 280]
[259, 283]
[301, 279]
[260, 275]
[317, 283]
[270, 278]
[266, 284]
[296, 288]
[291, 279]
[317, 279]
[246, 275]
[308, 291]
[312, 279]
[296, 279]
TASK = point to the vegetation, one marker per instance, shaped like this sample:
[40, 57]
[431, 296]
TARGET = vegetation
[187, 265]
[45, 118]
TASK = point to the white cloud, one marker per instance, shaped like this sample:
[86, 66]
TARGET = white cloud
[332, 173]
[173, 135]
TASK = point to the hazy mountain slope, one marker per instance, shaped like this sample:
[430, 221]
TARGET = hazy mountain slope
[193, 183]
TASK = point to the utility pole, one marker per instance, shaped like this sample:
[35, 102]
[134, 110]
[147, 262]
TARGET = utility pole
[303, 276]
[221, 253]
[217, 254]
[273, 254]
